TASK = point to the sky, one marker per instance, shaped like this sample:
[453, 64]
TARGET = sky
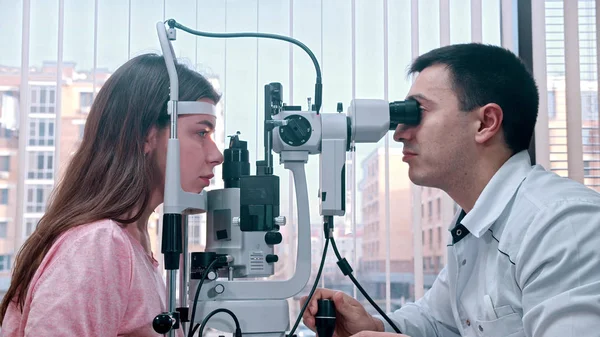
[244, 66]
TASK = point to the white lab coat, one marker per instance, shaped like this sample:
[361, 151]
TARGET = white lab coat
[529, 264]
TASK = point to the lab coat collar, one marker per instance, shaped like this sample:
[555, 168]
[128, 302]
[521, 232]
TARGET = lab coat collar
[497, 194]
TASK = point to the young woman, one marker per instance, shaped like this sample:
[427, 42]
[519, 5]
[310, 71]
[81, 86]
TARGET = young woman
[88, 270]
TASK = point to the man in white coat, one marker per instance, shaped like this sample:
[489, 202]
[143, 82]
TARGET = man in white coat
[524, 250]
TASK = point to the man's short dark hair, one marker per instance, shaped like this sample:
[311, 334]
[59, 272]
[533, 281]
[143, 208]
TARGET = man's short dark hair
[483, 74]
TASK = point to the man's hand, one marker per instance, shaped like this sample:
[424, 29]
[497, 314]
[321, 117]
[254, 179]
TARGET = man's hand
[351, 316]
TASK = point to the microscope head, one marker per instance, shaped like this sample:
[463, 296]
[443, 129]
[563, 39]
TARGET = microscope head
[371, 119]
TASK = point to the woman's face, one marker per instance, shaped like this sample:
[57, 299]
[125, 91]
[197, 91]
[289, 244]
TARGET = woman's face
[197, 150]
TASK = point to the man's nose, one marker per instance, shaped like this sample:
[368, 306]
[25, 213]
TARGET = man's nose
[404, 132]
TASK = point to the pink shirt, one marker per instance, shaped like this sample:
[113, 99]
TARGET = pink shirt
[96, 280]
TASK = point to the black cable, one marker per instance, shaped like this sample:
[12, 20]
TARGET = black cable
[318, 85]
[343, 261]
[314, 287]
[204, 275]
[238, 331]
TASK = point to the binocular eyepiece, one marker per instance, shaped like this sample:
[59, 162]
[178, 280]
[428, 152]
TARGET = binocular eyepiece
[404, 112]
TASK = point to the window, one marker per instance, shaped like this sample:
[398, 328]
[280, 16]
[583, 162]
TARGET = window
[587, 168]
[41, 165]
[82, 131]
[439, 233]
[430, 238]
[30, 226]
[3, 229]
[41, 132]
[4, 196]
[430, 208]
[5, 262]
[37, 196]
[439, 208]
[589, 106]
[551, 104]
[85, 101]
[195, 232]
[589, 136]
[43, 99]
[4, 163]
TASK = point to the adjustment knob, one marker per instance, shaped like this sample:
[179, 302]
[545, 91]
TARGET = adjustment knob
[163, 323]
[297, 131]
[219, 288]
[325, 318]
[271, 258]
[279, 221]
[211, 275]
[273, 238]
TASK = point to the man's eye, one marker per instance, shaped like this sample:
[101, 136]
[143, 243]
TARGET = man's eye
[203, 133]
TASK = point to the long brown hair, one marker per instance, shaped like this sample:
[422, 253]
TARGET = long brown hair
[109, 176]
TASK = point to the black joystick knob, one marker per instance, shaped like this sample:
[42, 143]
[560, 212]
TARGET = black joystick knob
[162, 323]
[325, 318]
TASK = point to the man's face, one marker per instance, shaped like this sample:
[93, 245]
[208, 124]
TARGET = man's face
[442, 145]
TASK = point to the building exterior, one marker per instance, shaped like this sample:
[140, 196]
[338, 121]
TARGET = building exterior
[9, 174]
[556, 85]
[372, 262]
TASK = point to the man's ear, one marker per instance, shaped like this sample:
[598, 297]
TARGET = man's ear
[490, 118]
[151, 140]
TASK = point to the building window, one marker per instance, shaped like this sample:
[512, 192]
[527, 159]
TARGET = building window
[439, 233]
[41, 132]
[589, 106]
[430, 238]
[195, 233]
[41, 165]
[439, 208]
[4, 163]
[551, 104]
[4, 196]
[81, 131]
[5, 262]
[3, 229]
[37, 196]
[430, 208]
[85, 101]
[43, 99]
[589, 136]
[587, 168]
[30, 226]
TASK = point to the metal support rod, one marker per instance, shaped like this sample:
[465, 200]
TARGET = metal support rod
[171, 288]
[183, 271]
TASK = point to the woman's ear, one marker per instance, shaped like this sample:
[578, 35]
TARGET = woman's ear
[151, 140]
